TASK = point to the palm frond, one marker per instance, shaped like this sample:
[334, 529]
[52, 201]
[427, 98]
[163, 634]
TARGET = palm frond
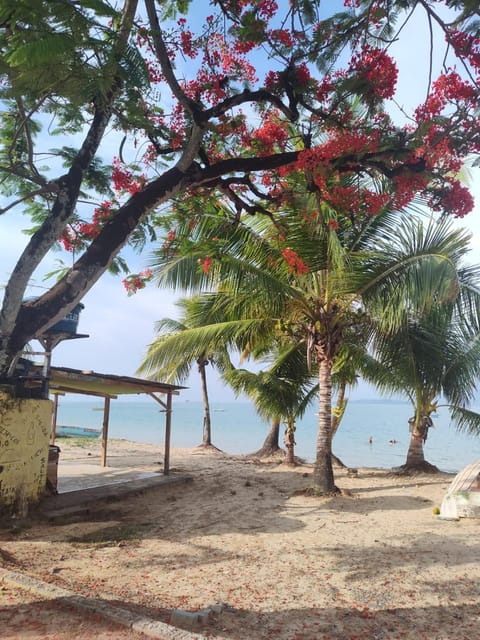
[466, 420]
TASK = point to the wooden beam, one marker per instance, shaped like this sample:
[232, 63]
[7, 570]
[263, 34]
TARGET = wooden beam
[159, 400]
[87, 382]
[106, 417]
[53, 432]
[63, 390]
[168, 428]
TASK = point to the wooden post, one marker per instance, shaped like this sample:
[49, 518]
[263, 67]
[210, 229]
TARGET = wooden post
[53, 432]
[168, 429]
[106, 417]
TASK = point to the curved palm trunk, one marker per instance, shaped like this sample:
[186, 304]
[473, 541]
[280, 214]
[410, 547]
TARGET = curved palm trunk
[323, 480]
[289, 440]
[207, 425]
[415, 456]
[337, 419]
[270, 446]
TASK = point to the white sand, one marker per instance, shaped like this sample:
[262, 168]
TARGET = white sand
[373, 564]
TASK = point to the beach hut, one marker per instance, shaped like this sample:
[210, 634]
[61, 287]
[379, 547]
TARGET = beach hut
[462, 499]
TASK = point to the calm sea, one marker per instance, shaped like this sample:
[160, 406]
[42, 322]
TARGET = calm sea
[237, 429]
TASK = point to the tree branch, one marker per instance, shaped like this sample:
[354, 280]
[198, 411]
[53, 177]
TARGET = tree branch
[28, 138]
[20, 172]
[52, 187]
[162, 55]
[69, 188]
[261, 95]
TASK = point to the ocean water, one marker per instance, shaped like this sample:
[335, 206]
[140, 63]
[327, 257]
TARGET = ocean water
[237, 429]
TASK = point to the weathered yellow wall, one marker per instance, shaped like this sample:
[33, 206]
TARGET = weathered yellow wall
[24, 439]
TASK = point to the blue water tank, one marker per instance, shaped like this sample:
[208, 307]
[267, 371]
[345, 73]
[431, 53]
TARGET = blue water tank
[69, 323]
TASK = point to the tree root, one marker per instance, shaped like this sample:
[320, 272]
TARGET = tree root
[267, 452]
[337, 462]
[316, 493]
[209, 447]
[412, 469]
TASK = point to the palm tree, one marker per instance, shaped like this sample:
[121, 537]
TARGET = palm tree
[171, 356]
[435, 357]
[312, 281]
[281, 393]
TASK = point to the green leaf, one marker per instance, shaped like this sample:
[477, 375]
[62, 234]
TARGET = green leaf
[44, 51]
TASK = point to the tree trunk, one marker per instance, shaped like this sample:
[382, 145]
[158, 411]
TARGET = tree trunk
[337, 419]
[19, 325]
[35, 317]
[207, 424]
[14, 334]
[415, 456]
[289, 440]
[323, 480]
[270, 446]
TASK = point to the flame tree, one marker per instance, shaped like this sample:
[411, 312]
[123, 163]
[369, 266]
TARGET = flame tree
[202, 105]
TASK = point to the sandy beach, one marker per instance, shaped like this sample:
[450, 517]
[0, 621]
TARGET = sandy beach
[373, 563]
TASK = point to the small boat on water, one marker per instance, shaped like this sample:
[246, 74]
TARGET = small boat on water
[76, 432]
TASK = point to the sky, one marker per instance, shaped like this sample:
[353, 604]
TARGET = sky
[121, 327]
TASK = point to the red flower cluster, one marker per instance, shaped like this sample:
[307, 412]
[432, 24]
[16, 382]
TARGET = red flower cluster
[340, 144]
[303, 76]
[346, 199]
[171, 235]
[154, 72]
[221, 60]
[406, 186]
[76, 234]
[325, 88]
[271, 134]
[448, 88]
[372, 202]
[466, 46]
[123, 179]
[265, 9]
[186, 40]
[69, 239]
[230, 59]
[281, 36]
[136, 281]
[299, 77]
[100, 215]
[206, 264]
[377, 70]
[295, 264]
[456, 200]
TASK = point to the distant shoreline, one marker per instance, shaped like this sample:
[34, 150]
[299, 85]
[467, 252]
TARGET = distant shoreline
[363, 439]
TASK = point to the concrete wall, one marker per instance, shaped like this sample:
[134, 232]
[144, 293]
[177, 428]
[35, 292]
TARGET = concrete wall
[24, 438]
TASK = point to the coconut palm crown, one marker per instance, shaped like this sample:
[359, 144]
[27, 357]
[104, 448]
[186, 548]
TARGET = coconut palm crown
[317, 279]
[434, 358]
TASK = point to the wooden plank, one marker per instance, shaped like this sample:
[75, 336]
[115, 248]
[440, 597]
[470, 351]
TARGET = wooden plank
[53, 432]
[106, 418]
[168, 428]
